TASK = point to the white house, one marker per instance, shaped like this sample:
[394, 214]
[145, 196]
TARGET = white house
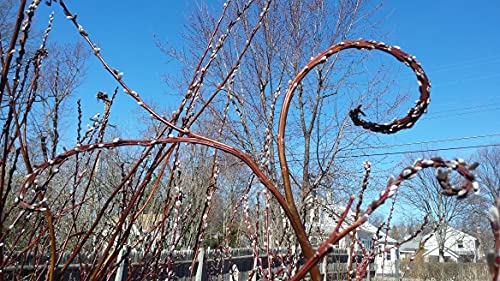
[407, 250]
[323, 218]
[386, 262]
[458, 246]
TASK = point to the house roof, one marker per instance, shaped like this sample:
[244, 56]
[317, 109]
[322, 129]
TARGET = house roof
[367, 227]
[414, 245]
[410, 246]
[450, 230]
[370, 228]
[450, 252]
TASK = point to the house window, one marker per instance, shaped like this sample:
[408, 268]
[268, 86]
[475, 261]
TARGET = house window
[460, 244]
[365, 243]
[388, 255]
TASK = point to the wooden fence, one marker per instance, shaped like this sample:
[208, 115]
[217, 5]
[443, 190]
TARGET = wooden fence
[241, 266]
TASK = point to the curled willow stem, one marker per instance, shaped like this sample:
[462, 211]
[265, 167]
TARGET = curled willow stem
[403, 123]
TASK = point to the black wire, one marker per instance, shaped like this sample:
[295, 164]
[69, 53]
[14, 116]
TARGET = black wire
[419, 150]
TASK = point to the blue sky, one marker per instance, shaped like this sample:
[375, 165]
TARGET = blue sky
[456, 43]
[126, 32]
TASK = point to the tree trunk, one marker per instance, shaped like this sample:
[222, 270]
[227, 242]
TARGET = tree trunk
[441, 254]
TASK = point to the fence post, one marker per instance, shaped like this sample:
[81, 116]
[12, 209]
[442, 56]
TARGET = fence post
[397, 266]
[324, 267]
[234, 273]
[254, 277]
[199, 270]
[294, 259]
[121, 272]
[370, 267]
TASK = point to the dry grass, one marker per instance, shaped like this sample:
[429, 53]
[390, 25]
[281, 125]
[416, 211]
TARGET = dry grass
[448, 271]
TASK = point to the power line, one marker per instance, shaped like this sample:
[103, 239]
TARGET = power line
[443, 115]
[463, 65]
[456, 67]
[412, 151]
[426, 142]
[420, 150]
[481, 106]
[457, 80]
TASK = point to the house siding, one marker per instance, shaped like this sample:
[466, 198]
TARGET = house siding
[458, 247]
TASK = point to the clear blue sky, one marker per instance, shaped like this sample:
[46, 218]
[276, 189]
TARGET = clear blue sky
[456, 41]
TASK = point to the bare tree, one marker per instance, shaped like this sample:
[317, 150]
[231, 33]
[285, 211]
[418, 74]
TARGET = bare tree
[319, 128]
[488, 172]
[6, 18]
[424, 195]
[489, 176]
[104, 198]
[62, 73]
